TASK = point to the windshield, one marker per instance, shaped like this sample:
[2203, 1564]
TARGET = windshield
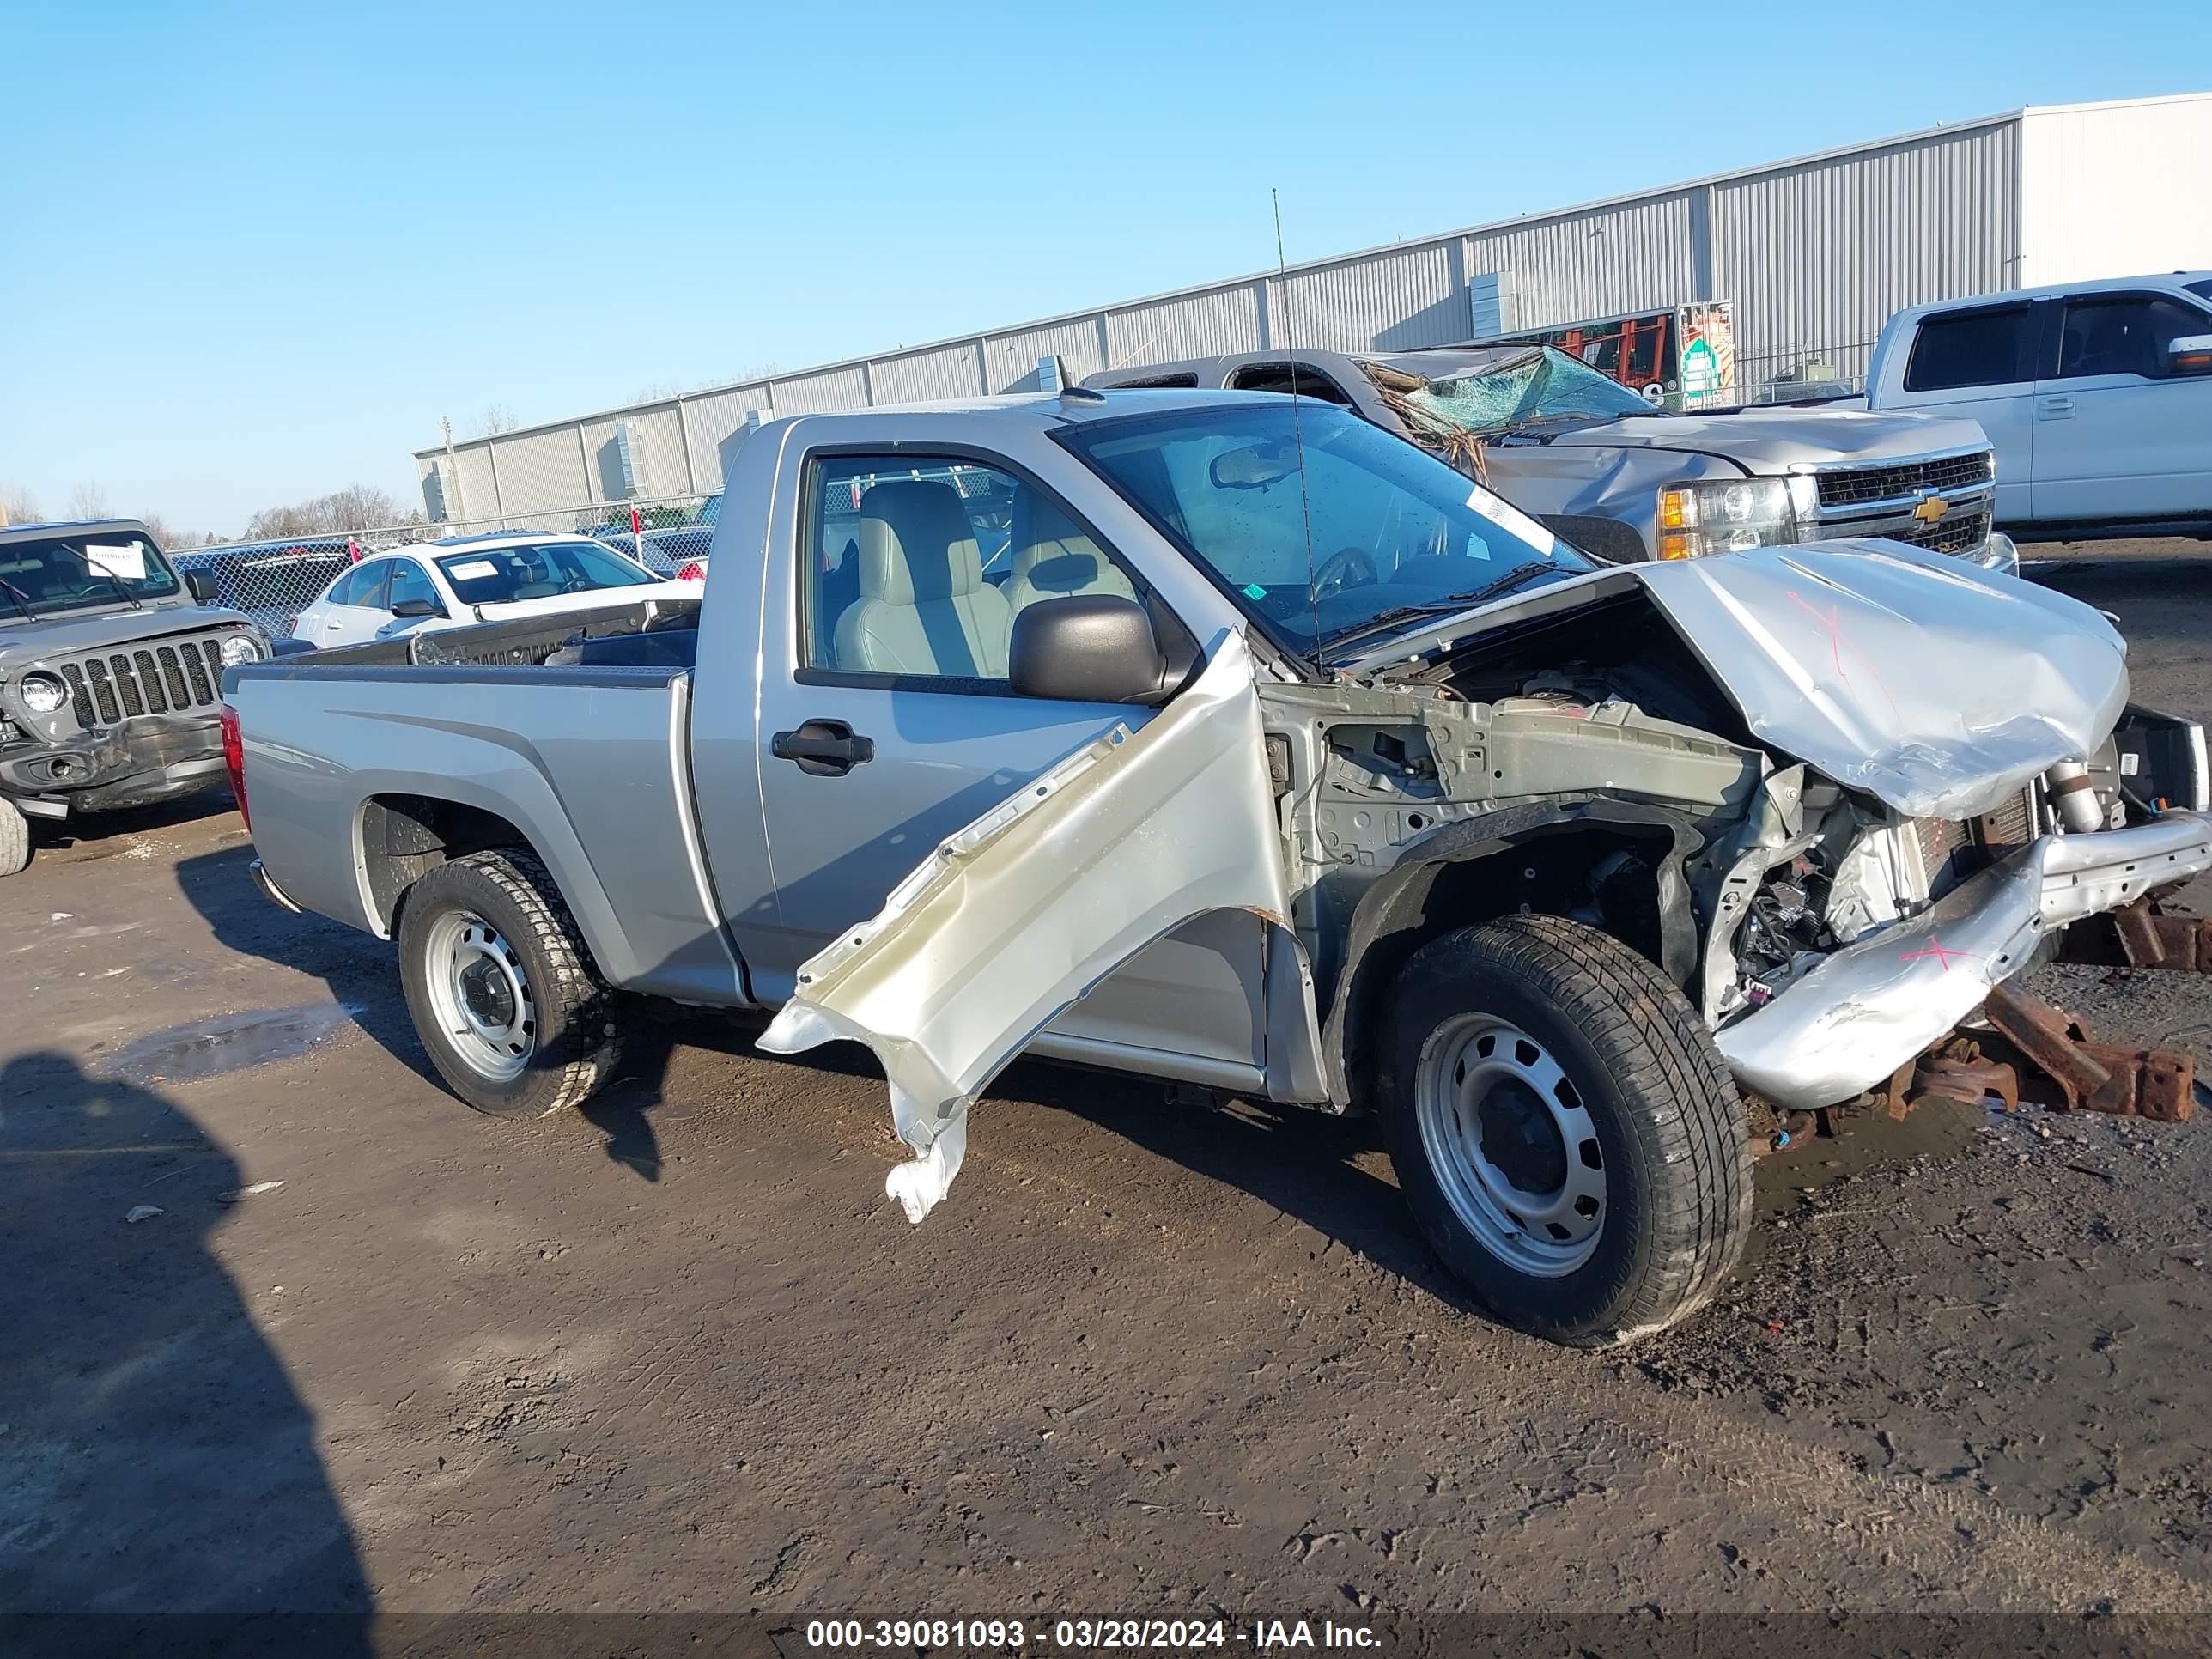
[1545, 386]
[1393, 532]
[541, 570]
[59, 572]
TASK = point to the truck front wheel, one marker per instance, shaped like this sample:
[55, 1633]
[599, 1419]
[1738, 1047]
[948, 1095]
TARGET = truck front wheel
[1564, 1130]
[15, 839]
[502, 991]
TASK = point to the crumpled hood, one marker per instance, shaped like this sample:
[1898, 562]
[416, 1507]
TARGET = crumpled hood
[23, 642]
[1772, 441]
[1936, 688]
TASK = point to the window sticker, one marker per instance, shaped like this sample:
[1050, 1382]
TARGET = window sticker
[123, 559]
[1512, 520]
[471, 570]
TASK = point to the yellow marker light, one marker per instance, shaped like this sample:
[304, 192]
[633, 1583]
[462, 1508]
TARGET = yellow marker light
[1677, 544]
[1678, 509]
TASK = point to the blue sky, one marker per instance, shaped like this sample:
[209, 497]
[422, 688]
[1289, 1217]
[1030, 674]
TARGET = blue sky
[255, 252]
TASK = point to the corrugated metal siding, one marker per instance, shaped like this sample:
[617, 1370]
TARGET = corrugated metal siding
[809, 394]
[708, 420]
[536, 471]
[1407, 297]
[913, 376]
[1816, 257]
[1212, 322]
[1626, 258]
[1013, 358]
[660, 441]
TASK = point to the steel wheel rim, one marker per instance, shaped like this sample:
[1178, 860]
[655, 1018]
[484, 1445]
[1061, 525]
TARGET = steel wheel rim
[481, 996]
[1511, 1145]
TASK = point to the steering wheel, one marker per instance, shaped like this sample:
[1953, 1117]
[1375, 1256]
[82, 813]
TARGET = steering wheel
[1349, 567]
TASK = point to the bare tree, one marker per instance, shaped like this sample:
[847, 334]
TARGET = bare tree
[357, 507]
[18, 505]
[87, 500]
[495, 419]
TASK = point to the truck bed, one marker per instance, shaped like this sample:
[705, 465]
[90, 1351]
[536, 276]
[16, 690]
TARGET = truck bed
[587, 762]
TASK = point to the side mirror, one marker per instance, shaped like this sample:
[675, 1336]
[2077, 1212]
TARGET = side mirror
[2190, 354]
[1087, 647]
[418, 608]
[200, 584]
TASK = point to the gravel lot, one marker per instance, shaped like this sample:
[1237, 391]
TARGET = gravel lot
[679, 1352]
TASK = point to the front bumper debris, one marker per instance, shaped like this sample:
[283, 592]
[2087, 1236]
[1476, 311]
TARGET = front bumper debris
[148, 758]
[1867, 1010]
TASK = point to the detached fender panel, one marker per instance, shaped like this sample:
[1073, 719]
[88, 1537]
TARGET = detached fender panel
[1013, 918]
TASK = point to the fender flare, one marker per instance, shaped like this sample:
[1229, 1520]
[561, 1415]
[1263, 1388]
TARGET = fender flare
[1393, 903]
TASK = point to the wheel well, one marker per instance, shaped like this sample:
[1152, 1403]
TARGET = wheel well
[404, 837]
[1608, 875]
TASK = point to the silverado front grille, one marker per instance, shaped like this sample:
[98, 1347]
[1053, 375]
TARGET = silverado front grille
[1853, 486]
[182, 675]
[1954, 532]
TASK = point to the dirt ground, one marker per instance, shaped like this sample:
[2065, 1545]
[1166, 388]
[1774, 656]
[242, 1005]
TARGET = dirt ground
[679, 1352]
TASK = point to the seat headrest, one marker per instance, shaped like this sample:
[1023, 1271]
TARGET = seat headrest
[916, 543]
[1044, 533]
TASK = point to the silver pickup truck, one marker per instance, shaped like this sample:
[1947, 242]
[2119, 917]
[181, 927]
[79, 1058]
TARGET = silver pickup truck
[1231, 740]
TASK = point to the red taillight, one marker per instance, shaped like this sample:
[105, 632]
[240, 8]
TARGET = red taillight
[693, 571]
[234, 757]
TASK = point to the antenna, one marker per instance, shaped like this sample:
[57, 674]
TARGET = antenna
[1298, 425]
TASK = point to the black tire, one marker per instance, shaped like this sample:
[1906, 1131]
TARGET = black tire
[1666, 1122]
[15, 839]
[576, 1036]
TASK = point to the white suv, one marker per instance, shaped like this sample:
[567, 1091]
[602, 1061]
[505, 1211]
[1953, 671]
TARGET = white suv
[2097, 398]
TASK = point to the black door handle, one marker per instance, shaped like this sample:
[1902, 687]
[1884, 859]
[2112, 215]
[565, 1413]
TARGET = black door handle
[828, 749]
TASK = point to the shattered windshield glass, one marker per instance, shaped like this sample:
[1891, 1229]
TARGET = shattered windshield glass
[1547, 385]
[1321, 524]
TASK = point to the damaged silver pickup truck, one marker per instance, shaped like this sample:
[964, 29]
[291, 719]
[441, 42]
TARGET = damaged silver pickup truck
[1229, 740]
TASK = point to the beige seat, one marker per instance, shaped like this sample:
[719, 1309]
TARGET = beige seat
[1053, 559]
[924, 606]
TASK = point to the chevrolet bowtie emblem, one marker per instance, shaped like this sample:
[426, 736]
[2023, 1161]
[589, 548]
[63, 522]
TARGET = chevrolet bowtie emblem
[1931, 509]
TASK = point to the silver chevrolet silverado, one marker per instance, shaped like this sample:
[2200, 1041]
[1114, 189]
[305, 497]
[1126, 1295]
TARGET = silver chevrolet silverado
[1625, 480]
[1231, 740]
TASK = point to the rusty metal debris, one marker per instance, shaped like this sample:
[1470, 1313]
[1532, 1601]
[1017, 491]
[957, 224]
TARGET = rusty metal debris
[2144, 934]
[2093, 1076]
[1966, 1078]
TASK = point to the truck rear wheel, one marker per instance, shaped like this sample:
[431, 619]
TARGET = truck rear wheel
[1564, 1130]
[502, 991]
[15, 839]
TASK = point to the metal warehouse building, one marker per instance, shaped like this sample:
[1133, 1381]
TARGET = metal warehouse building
[1811, 254]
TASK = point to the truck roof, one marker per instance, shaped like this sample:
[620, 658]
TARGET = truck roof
[2166, 279]
[1041, 410]
[1429, 363]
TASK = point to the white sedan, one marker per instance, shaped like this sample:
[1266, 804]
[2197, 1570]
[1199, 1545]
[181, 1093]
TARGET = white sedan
[452, 584]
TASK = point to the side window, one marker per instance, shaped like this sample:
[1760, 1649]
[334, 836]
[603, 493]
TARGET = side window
[917, 566]
[365, 585]
[1970, 349]
[409, 581]
[2122, 334]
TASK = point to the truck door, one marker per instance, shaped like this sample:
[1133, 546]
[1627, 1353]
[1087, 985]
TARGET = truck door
[2118, 435]
[888, 723]
[1980, 362]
